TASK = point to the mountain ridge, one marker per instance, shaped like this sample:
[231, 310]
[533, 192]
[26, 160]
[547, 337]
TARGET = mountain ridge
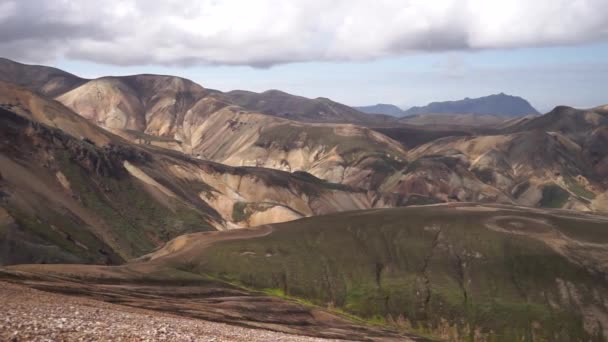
[382, 108]
[279, 103]
[45, 80]
[174, 113]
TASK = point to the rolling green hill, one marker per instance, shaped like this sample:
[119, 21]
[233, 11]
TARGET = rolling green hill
[462, 272]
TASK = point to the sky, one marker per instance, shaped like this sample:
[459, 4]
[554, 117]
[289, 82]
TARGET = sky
[358, 52]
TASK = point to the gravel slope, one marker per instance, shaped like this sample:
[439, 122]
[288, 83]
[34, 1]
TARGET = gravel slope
[32, 315]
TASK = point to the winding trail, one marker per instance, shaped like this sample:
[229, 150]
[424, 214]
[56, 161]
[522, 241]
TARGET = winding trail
[576, 251]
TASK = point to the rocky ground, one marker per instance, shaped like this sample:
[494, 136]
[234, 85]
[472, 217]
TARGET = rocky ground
[31, 315]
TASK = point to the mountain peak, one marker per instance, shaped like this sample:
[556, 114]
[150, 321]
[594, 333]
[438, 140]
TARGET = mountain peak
[274, 92]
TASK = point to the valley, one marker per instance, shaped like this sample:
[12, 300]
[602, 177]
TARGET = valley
[272, 214]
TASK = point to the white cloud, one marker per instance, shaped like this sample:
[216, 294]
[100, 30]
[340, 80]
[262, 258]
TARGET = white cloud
[7, 9]
[267, 32]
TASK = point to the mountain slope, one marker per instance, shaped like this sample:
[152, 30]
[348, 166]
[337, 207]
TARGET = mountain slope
[575, 123]
[530, 168]
[555, 160]
[411, 136]
[60, 174]
[454, 120]
[41, 79]
[68, 195]
[175, 113]
[382, 108]
[498, 104]
[281, 104]
[513, 165]
[585, 128]
[452, 269]
[143, 102]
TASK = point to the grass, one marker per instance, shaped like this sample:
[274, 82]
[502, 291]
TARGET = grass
[594, 232]
[281, 294]
[578, 189]
[147, 138]
[137, 220]
[63, 232]
[238, 212]
[391, 264]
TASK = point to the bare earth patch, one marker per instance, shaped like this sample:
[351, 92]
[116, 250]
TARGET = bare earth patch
[478, 208]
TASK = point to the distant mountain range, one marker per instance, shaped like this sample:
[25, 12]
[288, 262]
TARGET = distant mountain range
[497, 104]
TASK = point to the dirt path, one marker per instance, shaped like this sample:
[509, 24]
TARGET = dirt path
[186, 246]
[577, 251]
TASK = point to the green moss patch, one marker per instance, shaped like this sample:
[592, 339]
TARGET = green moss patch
[578, 189]
[139, 222]
[554, 196]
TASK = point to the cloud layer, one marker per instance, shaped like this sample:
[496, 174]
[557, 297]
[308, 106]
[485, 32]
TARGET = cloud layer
[267, 32]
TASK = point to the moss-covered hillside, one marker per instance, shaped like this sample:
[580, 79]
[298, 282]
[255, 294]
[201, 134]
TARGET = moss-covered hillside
[465, 273]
